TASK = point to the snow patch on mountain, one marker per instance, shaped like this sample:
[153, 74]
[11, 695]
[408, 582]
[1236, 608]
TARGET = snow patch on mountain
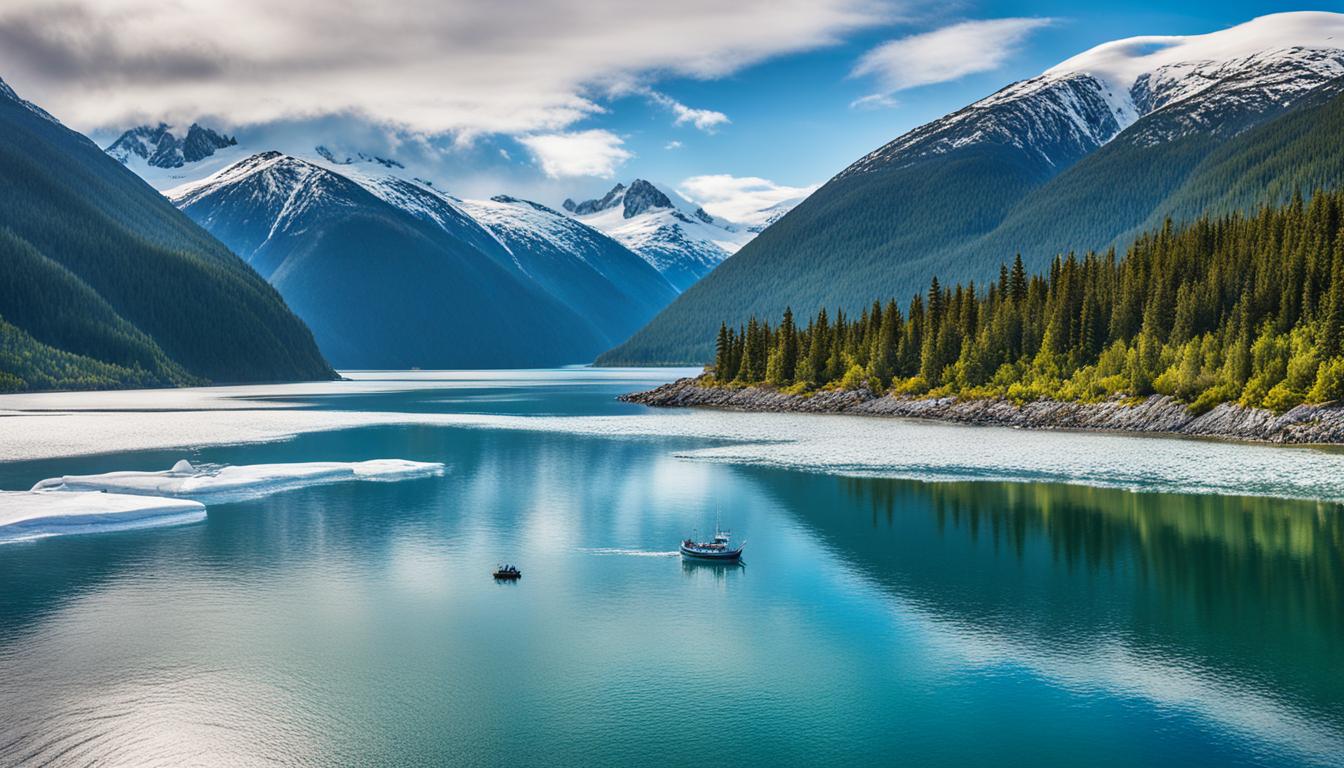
[677, 237]
[1086, 101]
[282, 188]
[767, 216]
[327, 154]
[1189, 63]
[1059, 118]
[519, 224]
[8, 93]
[158, 147]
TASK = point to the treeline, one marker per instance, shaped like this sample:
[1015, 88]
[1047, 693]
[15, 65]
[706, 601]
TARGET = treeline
[27, 364]
[1237, 308]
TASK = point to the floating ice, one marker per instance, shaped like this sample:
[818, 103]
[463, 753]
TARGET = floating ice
[240, 482]
[55, 424]
[32, 515]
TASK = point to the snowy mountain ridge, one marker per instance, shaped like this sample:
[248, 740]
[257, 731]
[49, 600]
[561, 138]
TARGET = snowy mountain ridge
[1086, 101]
[677, 237]
[158, 147]
[8, 93]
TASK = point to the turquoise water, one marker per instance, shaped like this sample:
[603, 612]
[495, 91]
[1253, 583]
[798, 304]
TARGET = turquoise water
[875, 620]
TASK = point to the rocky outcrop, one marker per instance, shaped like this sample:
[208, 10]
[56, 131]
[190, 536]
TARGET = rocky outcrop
[1157, 414]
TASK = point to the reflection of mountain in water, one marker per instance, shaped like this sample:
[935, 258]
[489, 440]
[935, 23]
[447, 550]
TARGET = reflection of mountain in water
[1250, 589]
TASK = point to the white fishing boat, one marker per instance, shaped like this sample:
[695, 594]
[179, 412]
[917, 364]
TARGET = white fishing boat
[718, 548]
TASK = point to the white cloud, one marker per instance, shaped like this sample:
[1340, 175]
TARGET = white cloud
[874, 101]
[578, 153]
[744, 199]
[674, 144]
[944, 54]
[467, 67]
[706, 120]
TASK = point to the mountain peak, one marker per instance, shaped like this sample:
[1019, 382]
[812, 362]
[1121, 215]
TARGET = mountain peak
[326, 153]
[158, 147]
[9, 94]
[609, 200]
[1123, 61]
[1085, 101]
[643, 196]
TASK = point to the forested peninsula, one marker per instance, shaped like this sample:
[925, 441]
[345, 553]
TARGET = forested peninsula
[1239, 314]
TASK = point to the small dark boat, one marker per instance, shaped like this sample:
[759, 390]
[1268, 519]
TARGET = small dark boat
[508, 572]
[719, 548]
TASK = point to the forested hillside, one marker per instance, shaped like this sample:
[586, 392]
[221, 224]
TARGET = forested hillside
[103, 270]
[961, 212]
[1135, 182]
[1235, 308]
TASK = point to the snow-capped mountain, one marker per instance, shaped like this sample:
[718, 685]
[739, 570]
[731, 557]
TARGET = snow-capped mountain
[1058, 119]
[389, 271]
[764, 217]
[105, 284]
[331, 157]
[8, 94]
[1082, 103]
[591, 273]
[680, 239]
[1103, 145]
[576, 263]
[158, 147]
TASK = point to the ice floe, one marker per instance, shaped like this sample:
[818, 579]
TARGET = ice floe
[232, 483]
[59, 424]
[32, 515]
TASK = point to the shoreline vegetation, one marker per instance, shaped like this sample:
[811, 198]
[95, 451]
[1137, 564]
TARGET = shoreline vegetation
[1157, 414]
[1231, 326]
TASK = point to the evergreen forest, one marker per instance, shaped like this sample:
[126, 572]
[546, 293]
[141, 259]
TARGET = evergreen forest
[1233, 308]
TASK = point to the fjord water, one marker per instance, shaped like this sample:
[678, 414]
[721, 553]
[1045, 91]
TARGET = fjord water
[875, 620]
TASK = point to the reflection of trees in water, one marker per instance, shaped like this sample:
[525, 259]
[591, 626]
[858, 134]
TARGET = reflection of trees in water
[1253, 587]
[1246, 587]
[1168, 532]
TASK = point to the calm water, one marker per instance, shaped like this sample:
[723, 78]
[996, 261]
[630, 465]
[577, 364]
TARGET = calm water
[876, 620]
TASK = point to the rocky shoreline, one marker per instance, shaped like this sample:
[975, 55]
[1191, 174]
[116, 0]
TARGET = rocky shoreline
[1305, 424]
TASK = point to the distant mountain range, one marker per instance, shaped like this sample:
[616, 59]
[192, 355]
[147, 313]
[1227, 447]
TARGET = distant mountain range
[157, 146]
[677, 237]
[106, 284]
[1083, 156]
[391, 273]
[514, 283]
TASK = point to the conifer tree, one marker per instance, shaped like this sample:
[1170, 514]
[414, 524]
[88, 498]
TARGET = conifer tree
[1245, 308]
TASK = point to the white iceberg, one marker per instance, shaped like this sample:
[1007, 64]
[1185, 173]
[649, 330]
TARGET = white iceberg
[33, 515]
[232, 483]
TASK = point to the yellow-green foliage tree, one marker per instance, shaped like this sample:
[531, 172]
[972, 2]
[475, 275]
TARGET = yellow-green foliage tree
[1245, 309]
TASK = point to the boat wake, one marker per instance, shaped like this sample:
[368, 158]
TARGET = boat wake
[626, 552]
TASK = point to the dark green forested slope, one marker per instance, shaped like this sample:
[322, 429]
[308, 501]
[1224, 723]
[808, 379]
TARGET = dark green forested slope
[840, 244]
[1247, 309]
[1155, 170]
[1266, 165]
[881, 235]
[100, 266]
[28, 364]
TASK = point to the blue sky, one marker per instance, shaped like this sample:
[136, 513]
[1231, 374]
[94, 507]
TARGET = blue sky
[554, 98]
[791, 117]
